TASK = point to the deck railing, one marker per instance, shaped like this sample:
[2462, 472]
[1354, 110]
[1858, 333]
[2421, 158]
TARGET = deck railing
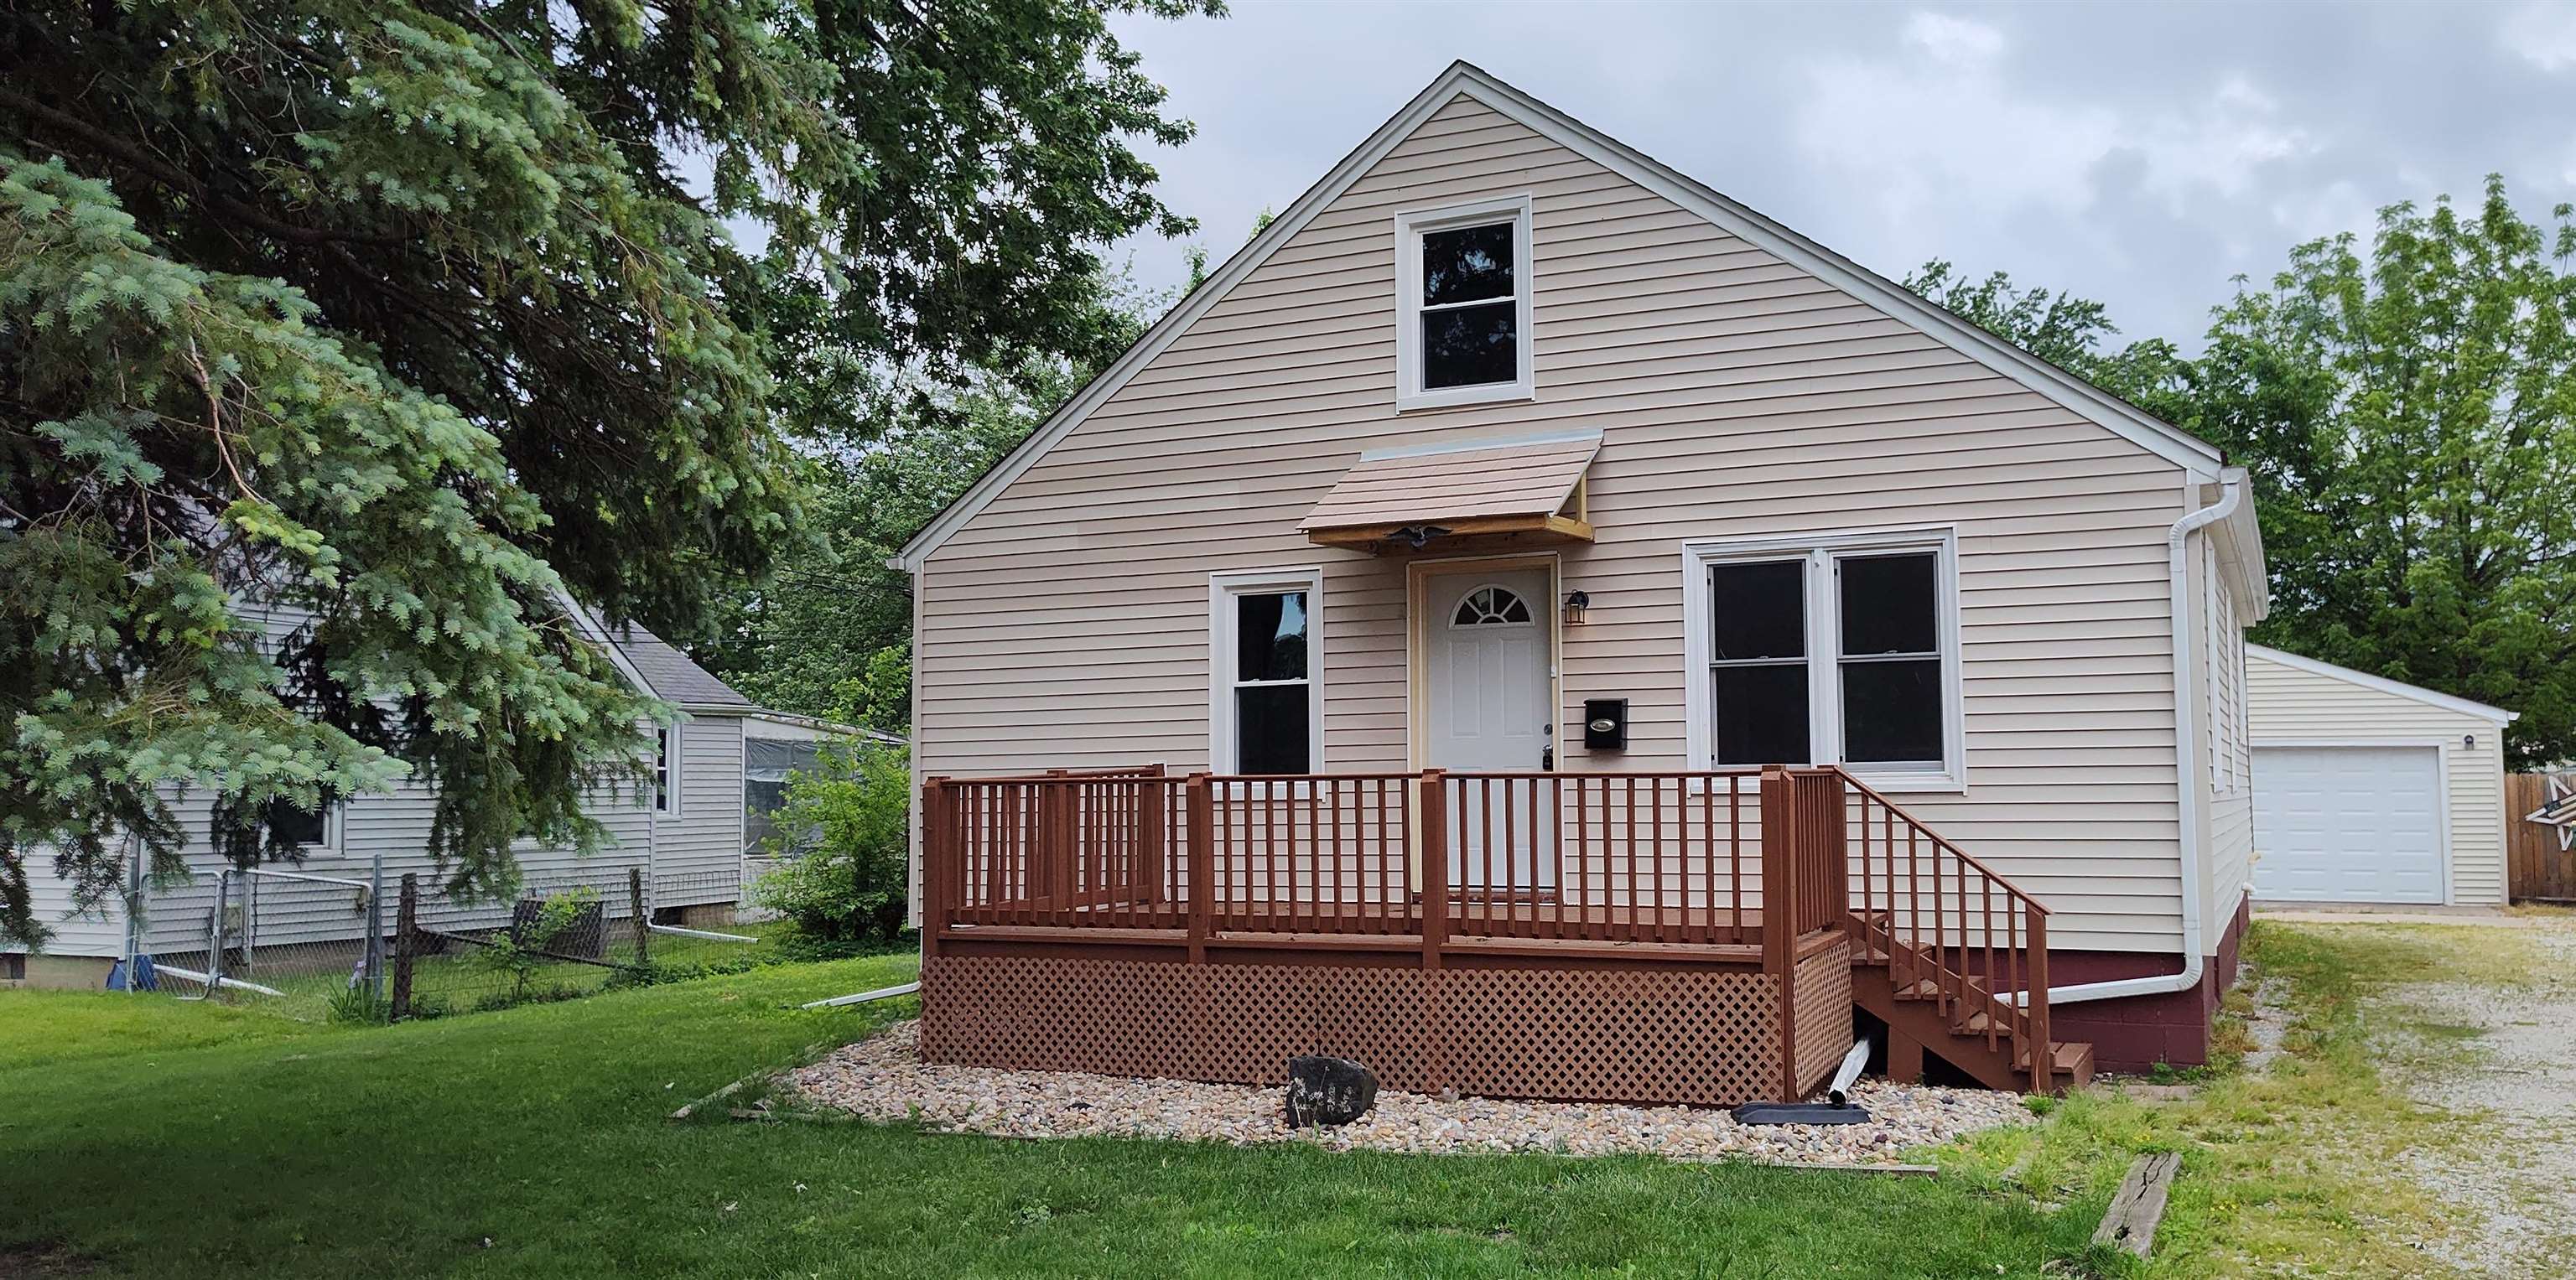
[1952, 929]
[1747, 863]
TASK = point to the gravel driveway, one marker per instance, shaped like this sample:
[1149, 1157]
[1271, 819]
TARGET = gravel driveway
[2515, 1168]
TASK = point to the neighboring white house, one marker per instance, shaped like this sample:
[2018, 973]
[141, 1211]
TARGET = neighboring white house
[690, 834]
[2368, 790]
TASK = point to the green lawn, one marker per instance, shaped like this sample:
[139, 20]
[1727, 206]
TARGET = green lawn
[153, 1138]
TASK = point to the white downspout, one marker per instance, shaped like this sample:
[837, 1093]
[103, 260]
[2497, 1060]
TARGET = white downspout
[2189, 771]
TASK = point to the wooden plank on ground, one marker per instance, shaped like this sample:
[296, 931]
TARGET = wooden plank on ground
[2130, 1223]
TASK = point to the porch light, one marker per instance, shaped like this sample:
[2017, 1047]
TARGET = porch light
[1575, 603]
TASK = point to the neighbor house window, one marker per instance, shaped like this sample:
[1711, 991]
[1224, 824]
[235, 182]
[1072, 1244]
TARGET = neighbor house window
[1840, 651]
[767, 763]
[666, 768]
[314, 834]
[1266, 650]
[1463, 304]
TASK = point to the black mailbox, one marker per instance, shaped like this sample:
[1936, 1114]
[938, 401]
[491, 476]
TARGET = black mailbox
[1605, 724]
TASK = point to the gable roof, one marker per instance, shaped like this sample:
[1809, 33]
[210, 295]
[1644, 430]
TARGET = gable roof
[1462, 79]
[2383, 684]
[668, 674]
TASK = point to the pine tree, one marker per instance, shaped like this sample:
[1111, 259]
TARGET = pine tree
[431, 319]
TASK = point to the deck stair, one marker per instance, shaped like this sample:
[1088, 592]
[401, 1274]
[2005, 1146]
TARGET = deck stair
[1930, 1006]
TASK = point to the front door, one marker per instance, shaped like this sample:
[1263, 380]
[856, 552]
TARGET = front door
[1487, 637]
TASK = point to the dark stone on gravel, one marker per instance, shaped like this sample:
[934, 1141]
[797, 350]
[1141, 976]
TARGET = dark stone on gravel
[1328, 1091]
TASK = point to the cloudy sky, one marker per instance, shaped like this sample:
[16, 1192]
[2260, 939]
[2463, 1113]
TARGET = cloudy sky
[2141, 155]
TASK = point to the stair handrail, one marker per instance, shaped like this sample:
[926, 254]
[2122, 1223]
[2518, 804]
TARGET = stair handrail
[2025, 951]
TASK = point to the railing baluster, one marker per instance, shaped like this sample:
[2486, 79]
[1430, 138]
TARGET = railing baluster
[1655, 829]
[1629, 802]
[1735, 860]
[1986, 890]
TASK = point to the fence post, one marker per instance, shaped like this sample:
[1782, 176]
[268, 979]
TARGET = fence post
[643, 922]
[406, 943]
[1149, 840]
[937, 860]
[2043, 1068]
[1433, 808]
[1780, 912]
[375, 957]
[1202, 863]
[215, 933]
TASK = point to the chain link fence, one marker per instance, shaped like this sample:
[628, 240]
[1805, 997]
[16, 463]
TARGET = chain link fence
[321, 947]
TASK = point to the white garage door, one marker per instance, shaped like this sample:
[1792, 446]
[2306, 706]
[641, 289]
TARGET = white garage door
[2348, 824]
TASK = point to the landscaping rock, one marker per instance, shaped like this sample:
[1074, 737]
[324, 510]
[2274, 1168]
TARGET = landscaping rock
[884, 1078]
[1327, 1091]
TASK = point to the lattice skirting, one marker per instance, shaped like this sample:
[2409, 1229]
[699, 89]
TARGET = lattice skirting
[1823, 1003]
[1701, 1036]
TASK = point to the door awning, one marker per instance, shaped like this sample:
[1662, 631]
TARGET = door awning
[1413, 494]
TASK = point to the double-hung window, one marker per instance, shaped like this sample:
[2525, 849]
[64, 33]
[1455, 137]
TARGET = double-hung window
[1265, 651]
[666, 769]
[1463, 304]
[1843, 650]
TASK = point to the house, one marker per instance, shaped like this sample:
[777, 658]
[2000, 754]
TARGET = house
[1514, 493]
[717, 774]
[2369, 790]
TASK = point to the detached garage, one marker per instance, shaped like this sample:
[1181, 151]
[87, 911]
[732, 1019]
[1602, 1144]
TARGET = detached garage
[2367, 790]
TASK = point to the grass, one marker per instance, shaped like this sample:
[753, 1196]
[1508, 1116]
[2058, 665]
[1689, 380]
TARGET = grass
[199, 1140]
[2300, 1168]
[152, 1138]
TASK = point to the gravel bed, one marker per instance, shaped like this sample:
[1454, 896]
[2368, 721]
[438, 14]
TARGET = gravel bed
[883, 1078]
[2517, 1170]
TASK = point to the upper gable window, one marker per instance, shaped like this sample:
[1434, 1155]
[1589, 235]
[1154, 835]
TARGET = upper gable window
[1463, 304]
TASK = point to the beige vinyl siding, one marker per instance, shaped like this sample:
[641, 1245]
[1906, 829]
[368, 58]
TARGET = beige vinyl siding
[2291, 705]
[2226, 733]
[1066, 623]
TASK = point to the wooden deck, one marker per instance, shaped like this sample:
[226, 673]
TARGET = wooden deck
[1126, 920]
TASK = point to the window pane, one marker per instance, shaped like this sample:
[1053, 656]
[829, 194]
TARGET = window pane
[1762, 714]
[293, 826]
[1761, 609]
[1892, 711]
[1270, 636]
[1270, 729]
[1467, 264]
[1888, 604]
[1470, 346]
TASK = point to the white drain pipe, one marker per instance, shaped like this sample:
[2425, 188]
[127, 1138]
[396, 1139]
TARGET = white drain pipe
[2189, 768]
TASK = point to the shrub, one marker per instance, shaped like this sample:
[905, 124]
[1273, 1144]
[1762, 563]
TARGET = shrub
[358, 1003]
[520, 951]
[850, 816]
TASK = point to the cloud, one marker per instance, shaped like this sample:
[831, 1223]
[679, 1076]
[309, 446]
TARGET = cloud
[2543, 35]
[1942, 123]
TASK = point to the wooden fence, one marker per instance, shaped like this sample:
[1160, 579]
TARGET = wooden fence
[2536, 869]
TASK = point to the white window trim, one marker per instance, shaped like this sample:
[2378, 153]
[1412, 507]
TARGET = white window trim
[1222, 589]
[1410, 226]
[1824, 644]
[667, 787]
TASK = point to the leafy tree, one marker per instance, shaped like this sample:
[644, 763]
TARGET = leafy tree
[832, 635]
[2067, 331]
[2410, 420]
[410, 316]
[845, 832]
